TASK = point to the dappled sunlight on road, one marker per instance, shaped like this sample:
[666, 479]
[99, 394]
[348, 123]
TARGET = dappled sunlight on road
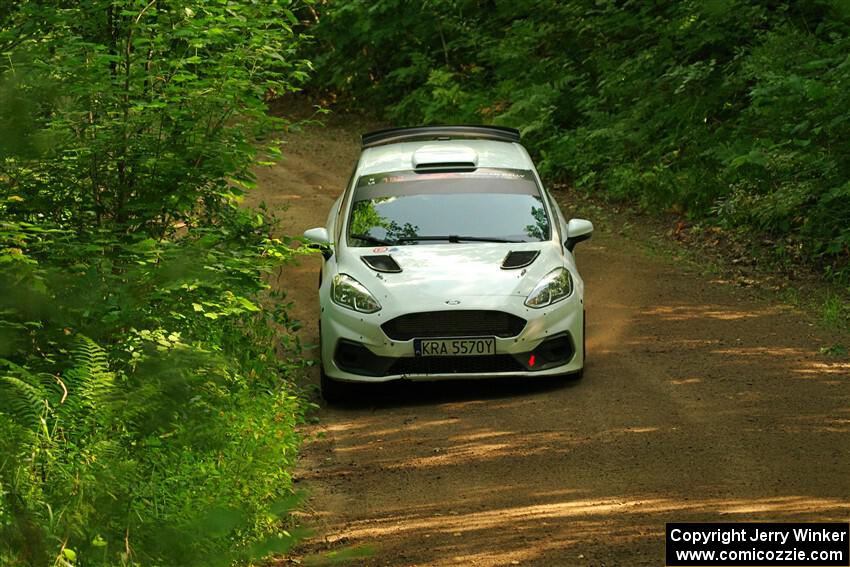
[424, 520]
[372, 428]
[818, 368]
[577, 518]
[690, 312]
[761, 351]
[837, 422]
[683, 381]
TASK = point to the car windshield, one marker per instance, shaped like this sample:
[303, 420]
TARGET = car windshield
[490, 205]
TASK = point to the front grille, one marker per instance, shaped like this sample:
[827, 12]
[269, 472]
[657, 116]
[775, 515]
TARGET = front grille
[456, 323]
[456, 364]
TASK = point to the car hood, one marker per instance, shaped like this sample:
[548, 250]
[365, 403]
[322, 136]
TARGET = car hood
[445, 272]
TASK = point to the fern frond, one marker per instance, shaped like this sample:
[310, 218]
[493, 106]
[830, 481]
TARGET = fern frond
[90, 383]
[25, 401]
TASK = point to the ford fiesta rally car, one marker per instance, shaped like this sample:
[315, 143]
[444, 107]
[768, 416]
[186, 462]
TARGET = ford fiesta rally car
[446, 258]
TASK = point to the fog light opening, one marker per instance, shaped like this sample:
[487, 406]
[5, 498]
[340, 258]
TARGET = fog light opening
[552, 352]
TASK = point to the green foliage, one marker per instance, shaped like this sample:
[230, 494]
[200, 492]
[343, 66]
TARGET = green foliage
[729, 111]
[160, 107]
[146, 417]
[834, 350]
[835, 311]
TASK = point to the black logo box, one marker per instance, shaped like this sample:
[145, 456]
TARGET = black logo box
[786, 544]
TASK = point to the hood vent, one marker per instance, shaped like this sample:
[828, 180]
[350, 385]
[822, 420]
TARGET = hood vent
[382, 263]
[515, 260]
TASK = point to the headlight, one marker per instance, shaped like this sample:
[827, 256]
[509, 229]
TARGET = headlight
[350, 293]
[557, 285]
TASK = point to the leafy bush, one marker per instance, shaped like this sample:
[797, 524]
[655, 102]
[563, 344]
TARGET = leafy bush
[146, 417]
[128, 448]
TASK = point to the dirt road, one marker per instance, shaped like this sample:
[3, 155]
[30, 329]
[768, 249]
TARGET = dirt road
[700, 402]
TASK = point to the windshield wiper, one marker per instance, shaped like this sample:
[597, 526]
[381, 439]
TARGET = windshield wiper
[372, 239]
[455, 238]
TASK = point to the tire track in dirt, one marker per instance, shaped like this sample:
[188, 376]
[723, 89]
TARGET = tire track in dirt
[701, 402]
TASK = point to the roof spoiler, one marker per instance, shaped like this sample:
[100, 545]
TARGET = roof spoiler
[394, 135]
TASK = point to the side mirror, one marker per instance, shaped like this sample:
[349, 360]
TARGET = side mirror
[321, 239]
[577, 230]
[318, 235]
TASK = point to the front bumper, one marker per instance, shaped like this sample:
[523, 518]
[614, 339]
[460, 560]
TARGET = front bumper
[356, 349]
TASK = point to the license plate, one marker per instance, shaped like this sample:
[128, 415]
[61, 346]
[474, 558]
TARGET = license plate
[455, 347]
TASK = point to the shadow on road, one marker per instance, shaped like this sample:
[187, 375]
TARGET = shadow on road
[407, 393]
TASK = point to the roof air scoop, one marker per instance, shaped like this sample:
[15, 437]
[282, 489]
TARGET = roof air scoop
[515, 260]
[382, 263]
[434, 158]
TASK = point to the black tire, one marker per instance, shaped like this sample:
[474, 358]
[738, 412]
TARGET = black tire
[333, 391]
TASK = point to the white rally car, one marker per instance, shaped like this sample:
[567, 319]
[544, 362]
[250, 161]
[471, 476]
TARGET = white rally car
[446, 258]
